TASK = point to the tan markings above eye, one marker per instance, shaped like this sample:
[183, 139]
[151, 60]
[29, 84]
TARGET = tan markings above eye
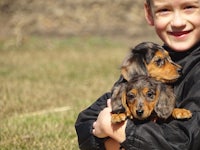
[132, 94]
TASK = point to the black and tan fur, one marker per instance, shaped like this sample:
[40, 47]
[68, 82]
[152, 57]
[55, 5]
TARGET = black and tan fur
[143, 96]
[152, 61]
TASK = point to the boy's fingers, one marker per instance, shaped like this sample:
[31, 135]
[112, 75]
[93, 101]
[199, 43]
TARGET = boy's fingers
[94, 124]
[93, 130]
[109, 103]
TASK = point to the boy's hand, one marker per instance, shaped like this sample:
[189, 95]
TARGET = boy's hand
[103, 127]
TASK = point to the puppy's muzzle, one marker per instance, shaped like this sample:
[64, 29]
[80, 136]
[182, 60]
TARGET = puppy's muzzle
[179, 70]
[139, 112]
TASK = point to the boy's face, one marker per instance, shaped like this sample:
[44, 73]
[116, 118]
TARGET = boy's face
[177, 22]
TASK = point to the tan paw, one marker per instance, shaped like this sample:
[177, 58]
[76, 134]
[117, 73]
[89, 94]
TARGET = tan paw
[117, 118]
[180, 113]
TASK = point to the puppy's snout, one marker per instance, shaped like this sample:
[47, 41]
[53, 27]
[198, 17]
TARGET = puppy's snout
[139, 112]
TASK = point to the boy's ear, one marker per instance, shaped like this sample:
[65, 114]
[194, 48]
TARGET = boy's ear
[148, 14]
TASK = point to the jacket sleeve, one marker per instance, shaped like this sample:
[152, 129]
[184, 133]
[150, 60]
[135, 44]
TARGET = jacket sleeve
[175, 135]
[84, 122]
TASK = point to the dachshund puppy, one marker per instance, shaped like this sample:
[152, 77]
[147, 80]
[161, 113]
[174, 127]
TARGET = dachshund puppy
[144, 96]
[150, 59]
[147, 59]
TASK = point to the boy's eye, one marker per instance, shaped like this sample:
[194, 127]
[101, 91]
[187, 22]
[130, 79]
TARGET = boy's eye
[189, 8]
[162, 11]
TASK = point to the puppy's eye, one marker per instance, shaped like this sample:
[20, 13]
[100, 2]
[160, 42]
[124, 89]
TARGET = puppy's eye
[131, 96]
[151, 94]
[159, 62]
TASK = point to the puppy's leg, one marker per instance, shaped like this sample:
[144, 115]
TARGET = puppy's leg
[118, 110]
[181, 113]
[116, 102]
[117, 118]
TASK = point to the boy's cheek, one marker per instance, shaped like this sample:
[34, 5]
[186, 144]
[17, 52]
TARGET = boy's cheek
[160, 26]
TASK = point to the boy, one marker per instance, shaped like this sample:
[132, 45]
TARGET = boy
[177, 23]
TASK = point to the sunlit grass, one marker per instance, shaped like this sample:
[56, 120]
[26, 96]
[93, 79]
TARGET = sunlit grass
[42, 74]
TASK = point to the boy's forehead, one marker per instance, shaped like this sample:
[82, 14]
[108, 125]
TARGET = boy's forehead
[167, 1]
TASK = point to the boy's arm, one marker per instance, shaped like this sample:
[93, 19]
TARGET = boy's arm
[177, 135]
[84, 125]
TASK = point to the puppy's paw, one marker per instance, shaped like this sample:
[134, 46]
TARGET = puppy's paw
[180, 113]
[117, 118]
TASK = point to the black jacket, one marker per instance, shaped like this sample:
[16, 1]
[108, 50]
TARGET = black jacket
[174, 135]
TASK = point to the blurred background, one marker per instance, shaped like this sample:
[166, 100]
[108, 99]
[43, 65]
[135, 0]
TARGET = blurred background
[64, 18]
[56, 58]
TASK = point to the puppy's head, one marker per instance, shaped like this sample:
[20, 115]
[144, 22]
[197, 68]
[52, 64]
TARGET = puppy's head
[141, 96]
[150, 59]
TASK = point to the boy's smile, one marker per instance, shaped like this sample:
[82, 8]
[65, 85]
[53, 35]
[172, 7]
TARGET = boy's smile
[180, 35]
[177, 22]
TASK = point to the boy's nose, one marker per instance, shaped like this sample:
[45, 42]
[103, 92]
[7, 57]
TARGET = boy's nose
[178, 20]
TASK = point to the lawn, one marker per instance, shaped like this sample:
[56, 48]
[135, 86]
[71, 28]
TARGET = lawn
[46, 82]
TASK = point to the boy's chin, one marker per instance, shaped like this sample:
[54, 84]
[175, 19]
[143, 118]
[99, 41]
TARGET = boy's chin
[181, 46]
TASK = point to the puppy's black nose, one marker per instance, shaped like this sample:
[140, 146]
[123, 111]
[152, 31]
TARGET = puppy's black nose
[179, 70]
[139, 112]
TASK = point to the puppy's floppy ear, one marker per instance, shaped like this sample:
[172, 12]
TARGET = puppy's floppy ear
[148, 50]
[166, 101]
[132, 65]
[124, 103]
[116, 98]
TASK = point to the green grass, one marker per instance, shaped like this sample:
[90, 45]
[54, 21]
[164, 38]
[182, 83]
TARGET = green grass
[40, 75]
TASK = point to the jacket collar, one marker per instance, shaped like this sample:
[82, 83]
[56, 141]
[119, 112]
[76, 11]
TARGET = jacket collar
[178, 56]
[187, 59]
